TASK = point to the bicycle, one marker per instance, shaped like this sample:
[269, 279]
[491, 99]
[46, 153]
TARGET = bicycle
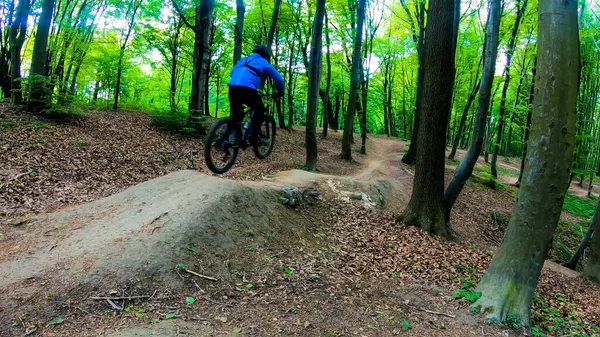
[227, 143]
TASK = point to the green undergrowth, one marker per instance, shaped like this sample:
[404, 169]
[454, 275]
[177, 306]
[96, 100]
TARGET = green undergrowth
[557, 317]
[567, 237]
[469, 278]
[180, 122]
[487, 180]
[583, 207]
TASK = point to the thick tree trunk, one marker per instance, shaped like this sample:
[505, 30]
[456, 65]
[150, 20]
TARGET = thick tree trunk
[38, 97]
[239, 29]
[17, 34]
[508, 286]
[354, 81]
[426, 206]
[465, 168]
[314, 83]
[509, 54]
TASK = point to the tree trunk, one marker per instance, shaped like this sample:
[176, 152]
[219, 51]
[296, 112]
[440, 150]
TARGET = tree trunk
[509, 54]
[426, 206]
[327, 102]
[354, 81]
[17, 34]
[314, 83]
[572, 264]
[508, 286]
[465, 168]
[239, 29]
[38, 98]
[463, 119]
[290, 90]
[528, 122]
[410, 156]
[133, 9]
[204, 13]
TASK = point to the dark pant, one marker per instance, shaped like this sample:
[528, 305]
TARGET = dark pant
[240, 96]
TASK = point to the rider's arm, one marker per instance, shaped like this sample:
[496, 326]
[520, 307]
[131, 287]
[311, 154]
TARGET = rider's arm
[276, 76]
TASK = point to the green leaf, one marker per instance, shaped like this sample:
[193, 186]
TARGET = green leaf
[288, 271]
[238, 330]
[170, 316]
[249, 286]
[190, 300]
[238, 289]
[191, 248]
[55, 321]
[180, 266]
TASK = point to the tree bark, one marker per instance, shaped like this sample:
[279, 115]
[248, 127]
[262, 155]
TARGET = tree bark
[528, 122]
[426, 206]
[410, 156]
[327, 113]
[290, 90]
[17, 34]
[314, 83]
[239, 29]
[204, 13]
[508, 286]
[465, 168]
[509, 54]
[38, 98]
[354, 81]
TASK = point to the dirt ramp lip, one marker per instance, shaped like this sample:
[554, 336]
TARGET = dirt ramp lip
[143, 232]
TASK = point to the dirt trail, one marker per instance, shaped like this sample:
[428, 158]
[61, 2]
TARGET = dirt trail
[236, 231]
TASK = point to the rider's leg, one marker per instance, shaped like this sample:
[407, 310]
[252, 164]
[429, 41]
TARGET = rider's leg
[236, 102]
[256, 104]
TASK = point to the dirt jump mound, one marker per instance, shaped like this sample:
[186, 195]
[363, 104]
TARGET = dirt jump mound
[143, 233]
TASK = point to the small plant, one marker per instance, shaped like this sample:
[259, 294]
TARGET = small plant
[270, 236]
[170, 316]
[238, 330]
[249, 286]
[288, 271]
[81, 142]
[191, 248]
[299, 323]
[37, 124]
[405, 325]
[190, 300]
[180, 266]
[55, 321]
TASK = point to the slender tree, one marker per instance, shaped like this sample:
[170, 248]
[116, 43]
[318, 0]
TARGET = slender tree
[465, 168]
[17, 34]
[354, 81]
[132, 11]
[572, 263]
[314, 82]
[508, 286]
[512, 43]
[327, 103]
[426, 206]
[419, 40]
[528, 122]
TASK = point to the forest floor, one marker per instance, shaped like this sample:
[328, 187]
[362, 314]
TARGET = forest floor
[81, 215]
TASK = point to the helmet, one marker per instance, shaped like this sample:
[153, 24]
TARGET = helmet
[262, 50]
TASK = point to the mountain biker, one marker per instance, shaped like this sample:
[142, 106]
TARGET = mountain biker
[246, 76]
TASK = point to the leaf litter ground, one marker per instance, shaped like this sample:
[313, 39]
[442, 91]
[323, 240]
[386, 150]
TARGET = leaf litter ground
[353, 271]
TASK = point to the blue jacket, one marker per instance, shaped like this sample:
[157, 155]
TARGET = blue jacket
[249, 70]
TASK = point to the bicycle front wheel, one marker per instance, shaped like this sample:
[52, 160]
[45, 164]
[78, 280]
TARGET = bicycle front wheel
[221, 146]
[266, 138]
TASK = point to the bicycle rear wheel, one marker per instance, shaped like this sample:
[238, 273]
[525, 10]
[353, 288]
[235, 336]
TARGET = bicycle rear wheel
[221, 146]
[266, 138]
